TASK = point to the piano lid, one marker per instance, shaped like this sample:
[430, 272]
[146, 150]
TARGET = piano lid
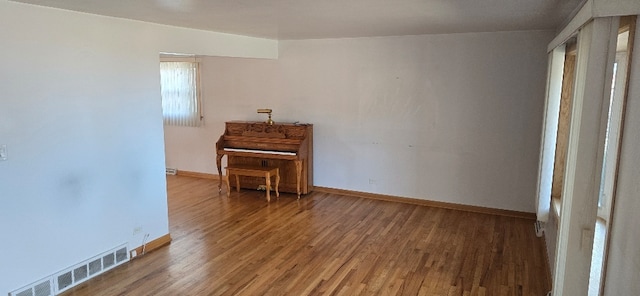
[264, 130]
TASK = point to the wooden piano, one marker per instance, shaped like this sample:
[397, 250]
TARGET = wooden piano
[287, 146]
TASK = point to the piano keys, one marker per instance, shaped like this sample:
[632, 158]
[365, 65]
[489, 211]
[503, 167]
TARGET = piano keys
[259, 151]
[284, 145]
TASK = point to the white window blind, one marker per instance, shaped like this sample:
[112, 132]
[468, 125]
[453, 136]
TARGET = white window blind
[180, 95]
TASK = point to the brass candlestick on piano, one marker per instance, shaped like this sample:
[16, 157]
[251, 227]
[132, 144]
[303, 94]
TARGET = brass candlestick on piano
[268, 111]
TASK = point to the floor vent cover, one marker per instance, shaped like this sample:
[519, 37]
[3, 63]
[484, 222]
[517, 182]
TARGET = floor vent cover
[74, 275]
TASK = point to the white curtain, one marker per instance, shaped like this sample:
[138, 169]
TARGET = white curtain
[179, 89]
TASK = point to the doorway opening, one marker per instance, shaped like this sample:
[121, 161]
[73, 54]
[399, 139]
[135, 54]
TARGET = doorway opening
[564, 120]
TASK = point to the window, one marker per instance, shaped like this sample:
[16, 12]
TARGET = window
[179, 87]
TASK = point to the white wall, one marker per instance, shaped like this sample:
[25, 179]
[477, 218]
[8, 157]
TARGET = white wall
[551, 241]
[453, 118]
[81, 117]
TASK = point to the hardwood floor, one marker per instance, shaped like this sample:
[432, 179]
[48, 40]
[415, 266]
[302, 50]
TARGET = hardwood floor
[327, 244]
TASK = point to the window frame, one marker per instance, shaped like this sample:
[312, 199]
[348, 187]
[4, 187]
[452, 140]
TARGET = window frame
[198, 91]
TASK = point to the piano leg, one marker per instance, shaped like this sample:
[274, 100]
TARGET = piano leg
[298, 174]
[226, 179]
[219, 164]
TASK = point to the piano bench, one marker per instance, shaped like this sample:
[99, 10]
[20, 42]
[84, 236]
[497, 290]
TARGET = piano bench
[253, 171]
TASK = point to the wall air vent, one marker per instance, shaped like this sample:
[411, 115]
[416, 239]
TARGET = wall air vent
[83, 271]
[43, 287]
[74, 275]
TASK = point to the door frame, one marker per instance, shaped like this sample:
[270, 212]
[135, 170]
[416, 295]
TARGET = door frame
[584, 161]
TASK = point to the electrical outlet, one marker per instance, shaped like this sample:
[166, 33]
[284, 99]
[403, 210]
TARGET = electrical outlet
[137, 230]
[373, 181]
[3, 152]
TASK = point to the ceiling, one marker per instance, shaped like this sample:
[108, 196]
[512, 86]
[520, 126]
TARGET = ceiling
[311, 19]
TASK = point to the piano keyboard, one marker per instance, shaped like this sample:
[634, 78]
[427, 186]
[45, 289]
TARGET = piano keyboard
[260, 151]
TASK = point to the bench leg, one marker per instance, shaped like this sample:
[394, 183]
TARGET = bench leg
[237, 183]
[226, 179]
[267, 178]
[277, 182]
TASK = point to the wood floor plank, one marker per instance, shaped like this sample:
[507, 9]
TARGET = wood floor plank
[327, 244]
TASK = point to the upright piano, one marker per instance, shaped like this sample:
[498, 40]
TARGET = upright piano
[287, 146]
